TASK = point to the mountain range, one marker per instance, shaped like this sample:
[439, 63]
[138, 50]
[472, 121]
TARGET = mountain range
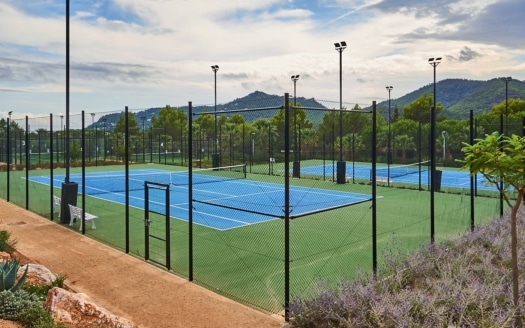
[458, 97]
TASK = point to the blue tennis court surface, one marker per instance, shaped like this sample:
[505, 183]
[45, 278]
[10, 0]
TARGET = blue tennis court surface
[222, 204]
[449, 178]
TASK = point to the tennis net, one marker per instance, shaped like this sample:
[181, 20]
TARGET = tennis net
[116, 181]
[401, 170]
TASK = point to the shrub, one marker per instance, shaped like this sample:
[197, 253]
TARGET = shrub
[6, 243]
[37, 317]
[41, 291]
[460, 283]
[14, 303]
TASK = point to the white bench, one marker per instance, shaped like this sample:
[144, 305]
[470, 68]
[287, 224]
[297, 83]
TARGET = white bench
[384, 180]
[57, 202]
[76, 212]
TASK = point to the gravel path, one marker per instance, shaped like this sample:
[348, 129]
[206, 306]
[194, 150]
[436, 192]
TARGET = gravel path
[126, 286]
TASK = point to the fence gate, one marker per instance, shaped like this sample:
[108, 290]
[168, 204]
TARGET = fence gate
[157, 223]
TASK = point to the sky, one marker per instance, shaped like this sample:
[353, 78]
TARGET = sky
[152, 53]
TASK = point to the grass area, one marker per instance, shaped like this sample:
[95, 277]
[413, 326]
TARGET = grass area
[247, 264]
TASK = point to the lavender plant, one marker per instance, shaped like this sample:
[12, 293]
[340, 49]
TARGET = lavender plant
[465, 282]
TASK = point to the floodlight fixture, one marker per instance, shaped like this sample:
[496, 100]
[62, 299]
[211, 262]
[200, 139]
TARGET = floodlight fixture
[340, 46]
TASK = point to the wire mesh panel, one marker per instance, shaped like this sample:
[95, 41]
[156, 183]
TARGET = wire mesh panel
[282, 193]
[330, 243]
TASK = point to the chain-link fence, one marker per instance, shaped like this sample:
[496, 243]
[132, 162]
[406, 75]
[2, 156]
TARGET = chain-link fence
[265, 198]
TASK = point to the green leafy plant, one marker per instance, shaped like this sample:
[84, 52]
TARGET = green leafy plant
[6, 243]
[42, 290]
[37, 317]
[14, 303]
[501, 160]
[8, 271]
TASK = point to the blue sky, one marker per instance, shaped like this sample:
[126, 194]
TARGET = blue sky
[150, 53]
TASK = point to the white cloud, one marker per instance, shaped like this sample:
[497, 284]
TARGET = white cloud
[163, 52]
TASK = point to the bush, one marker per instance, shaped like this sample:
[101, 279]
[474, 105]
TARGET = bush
[41, 291]
[6, 243]
[460, 283]
[37, 317]
[14, 303]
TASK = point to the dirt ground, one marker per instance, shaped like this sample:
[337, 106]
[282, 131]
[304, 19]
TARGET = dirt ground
[126, 286]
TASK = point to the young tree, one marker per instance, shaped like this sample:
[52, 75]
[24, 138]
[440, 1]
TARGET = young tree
[133, 125]
[419, 109]
[515, 106]
[500, 158]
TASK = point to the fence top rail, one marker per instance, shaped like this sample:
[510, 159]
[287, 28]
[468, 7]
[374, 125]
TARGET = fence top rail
[362, 111]
[222, 111]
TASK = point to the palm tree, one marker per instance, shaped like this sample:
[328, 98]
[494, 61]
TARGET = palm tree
[404, 143]
[266, 134]
[308, 141]
[229, 130]
[353, 142]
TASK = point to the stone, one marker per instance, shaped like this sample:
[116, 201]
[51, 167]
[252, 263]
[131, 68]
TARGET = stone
[79, 311]
[37, 275]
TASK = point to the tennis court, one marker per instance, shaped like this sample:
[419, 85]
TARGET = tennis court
[405, 174]
[223, 198]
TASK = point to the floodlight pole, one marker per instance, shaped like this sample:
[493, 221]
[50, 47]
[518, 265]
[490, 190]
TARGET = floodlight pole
[296, 163]
[9, 122]
[92, 125]
[434, 62]
[506, 80]
[252, 153]
[61, 139]
[444, 134]
[143, 118]
[215, 156]
[104, 120]
[96, 139]
[389, 148]
[341, 166]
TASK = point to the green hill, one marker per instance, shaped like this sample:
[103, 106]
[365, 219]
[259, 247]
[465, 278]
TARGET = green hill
[458, 96]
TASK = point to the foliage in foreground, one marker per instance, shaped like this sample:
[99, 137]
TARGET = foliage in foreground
[26, 307]
[7, 244]
[461, 283]
[8, 272]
